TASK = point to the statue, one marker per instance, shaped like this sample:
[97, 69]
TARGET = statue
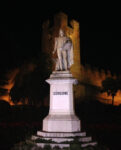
[64, 48]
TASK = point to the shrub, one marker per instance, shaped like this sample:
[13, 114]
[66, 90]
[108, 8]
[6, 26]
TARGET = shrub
[47, 147]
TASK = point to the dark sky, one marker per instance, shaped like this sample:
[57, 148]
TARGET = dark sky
[100, 31]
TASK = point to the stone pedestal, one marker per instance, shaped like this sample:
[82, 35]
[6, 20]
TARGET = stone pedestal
[61, 116]
[61, 126]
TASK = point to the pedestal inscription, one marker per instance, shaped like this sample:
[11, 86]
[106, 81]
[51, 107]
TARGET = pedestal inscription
[60, 93]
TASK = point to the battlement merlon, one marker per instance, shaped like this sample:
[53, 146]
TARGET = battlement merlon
[75, 24]
[61, 19]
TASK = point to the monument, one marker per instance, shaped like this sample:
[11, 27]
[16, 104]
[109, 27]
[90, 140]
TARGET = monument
[61, 116]
[61, 125]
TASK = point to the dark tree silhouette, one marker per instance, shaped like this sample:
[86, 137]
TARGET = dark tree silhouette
[30, 85]
[110, 86]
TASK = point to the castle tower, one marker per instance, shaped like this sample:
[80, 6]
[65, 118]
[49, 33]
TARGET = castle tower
[71, 29]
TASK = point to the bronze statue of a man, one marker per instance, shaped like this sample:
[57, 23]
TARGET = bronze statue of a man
[64, 48]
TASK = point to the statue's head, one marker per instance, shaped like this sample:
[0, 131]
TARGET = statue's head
[61, 32]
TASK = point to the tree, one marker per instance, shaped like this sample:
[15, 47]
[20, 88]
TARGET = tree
[30, 84]
[110, 86]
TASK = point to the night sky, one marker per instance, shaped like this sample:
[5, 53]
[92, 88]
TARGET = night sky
[100, 31]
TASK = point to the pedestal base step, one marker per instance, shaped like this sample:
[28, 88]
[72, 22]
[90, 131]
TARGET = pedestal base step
[42, 145]
[60, 134]
[62, 140]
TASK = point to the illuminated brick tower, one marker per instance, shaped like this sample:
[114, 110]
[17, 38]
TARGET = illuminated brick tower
[72, 30]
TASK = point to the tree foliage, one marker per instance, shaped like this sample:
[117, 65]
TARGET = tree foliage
[30, 85]
[110, 86]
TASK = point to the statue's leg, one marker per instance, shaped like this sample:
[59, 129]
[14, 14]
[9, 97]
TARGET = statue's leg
[59, 60]
[64, 59]
[57, 65]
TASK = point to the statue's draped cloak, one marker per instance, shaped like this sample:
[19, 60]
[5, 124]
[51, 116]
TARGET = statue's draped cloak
[66, 46]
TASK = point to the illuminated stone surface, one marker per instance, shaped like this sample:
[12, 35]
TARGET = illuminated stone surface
[61, 116]
[63, 47]
[60, 134]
